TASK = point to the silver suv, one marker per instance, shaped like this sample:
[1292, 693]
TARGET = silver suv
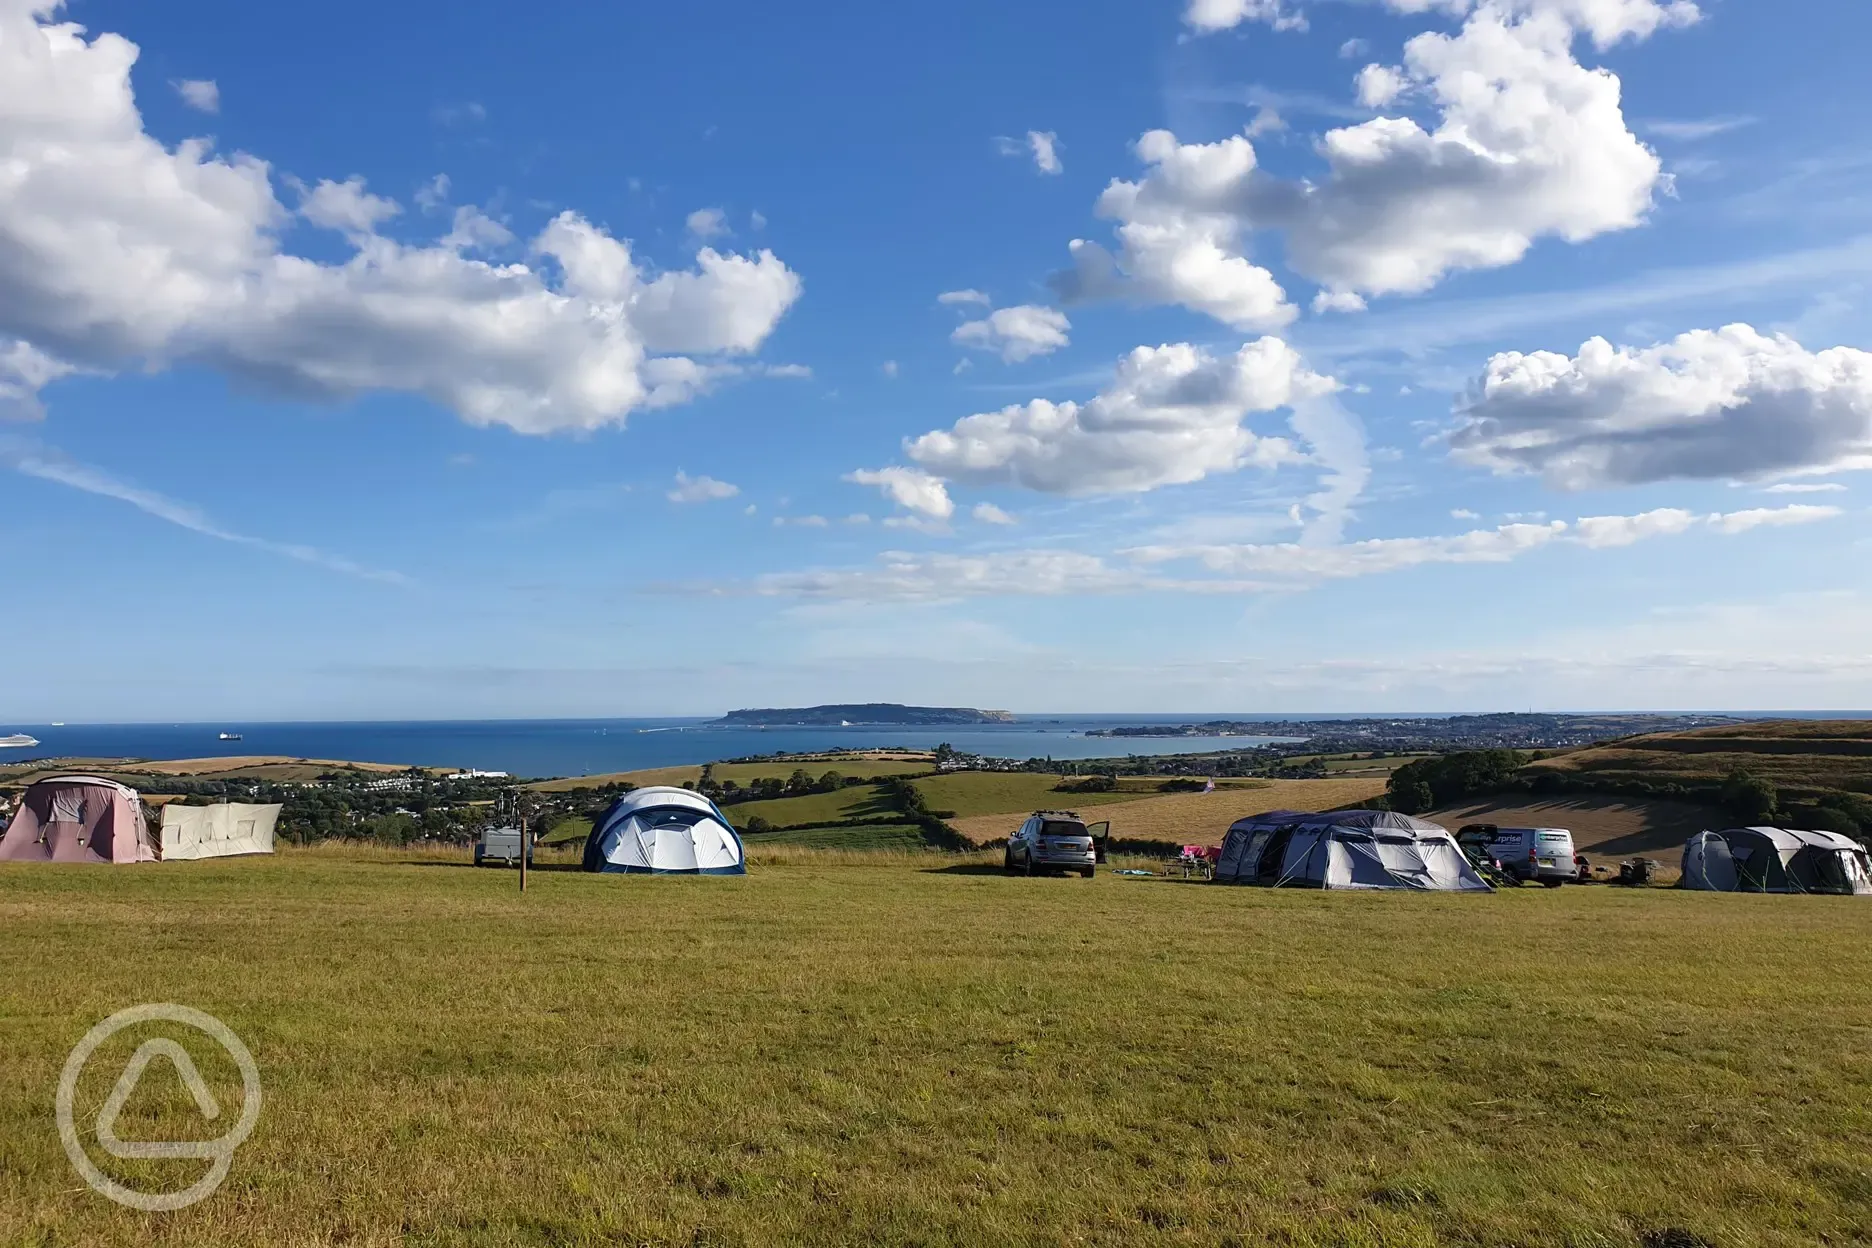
[1055, 840]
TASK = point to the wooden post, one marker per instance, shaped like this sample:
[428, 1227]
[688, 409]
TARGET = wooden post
[526, 842]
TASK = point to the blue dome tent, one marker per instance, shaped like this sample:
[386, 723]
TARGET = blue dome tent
[665, 831]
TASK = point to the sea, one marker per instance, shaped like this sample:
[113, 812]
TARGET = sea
[583, 747]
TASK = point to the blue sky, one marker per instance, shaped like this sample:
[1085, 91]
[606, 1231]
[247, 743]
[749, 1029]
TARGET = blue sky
[1191, 355]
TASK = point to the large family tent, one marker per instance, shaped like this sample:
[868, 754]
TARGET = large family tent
[1345, 849]
[663, 831]
[218, 831]
[1776, 860]
[78, 819]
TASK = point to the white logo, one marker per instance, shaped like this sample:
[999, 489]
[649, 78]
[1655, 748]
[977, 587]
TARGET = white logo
[220, 1152]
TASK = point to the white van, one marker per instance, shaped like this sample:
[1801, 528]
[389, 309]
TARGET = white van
[1528, 854]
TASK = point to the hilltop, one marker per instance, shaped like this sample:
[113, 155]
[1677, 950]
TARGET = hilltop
[868, 714]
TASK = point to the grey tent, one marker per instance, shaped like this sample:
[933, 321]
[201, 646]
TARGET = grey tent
[1367, 849]
[1776, 860]
[217, 831]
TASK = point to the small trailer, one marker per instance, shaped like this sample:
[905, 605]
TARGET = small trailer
[500, 847]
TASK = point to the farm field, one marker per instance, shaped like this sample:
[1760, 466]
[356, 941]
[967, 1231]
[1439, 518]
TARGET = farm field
[1801, 755]
[870, 767]
[1605, 829]
[878, 836]
[971, 793]
[858, 801]
[822, 1052]
[1189, 818]
[251, 767]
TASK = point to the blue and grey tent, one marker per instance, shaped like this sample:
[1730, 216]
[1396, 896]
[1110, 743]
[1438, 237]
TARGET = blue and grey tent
[665, 831]
[1366, 849]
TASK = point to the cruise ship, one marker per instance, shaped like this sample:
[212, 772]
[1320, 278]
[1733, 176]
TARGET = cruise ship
[17, 740]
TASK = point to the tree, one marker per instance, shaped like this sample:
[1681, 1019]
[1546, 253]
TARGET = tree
[799, 784]
[1450, 778]
[1749, 797]
[831, 782]
[757, 825]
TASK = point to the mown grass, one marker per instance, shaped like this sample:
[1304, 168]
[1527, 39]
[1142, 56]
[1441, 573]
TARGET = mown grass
[921, 1051]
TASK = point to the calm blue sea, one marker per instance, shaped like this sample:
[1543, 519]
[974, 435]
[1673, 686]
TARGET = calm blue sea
[575, 747]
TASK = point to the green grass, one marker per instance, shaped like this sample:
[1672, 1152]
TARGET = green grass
[829, 1053]
[971, 793]
[742, 773]
[892, 836]
[566, 831]
[859, 801]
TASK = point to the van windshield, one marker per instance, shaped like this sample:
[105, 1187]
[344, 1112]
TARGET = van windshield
[1054, 828]
[1555, 836]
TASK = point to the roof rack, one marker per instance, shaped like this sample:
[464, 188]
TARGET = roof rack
[1070, 814]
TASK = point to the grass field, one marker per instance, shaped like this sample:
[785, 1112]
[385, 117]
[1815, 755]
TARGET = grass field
[874, 836]
[1801, 755]
[971, 793]
[870, 768]
[926, 1052]
[860, 801]
[1192, 818]
[277, 768]
[1605, 829]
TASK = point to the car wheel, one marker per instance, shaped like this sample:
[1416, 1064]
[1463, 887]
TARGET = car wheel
[1552, 883]
[1007, 860]
[1030, 864]
[1087, 872]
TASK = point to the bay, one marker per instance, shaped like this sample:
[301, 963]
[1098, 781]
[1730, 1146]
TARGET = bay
[578, 747]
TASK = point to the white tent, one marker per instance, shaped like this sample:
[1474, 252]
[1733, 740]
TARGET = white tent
[664, 831]
[218, 831]
[1368, 849]
[1776, 860]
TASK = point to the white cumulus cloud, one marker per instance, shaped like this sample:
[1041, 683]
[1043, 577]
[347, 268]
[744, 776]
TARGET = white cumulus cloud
[1172, 414]
[910, 489]
[1527, 143]
[1606, 22]
[955, 298]
[988, 513]
[1731, 402]
[1016, 334]
[1206, 16]
[117, 251]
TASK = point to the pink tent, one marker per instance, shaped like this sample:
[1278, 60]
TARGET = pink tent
[78, 819]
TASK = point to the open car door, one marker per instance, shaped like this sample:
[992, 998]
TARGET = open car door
[1099, 832]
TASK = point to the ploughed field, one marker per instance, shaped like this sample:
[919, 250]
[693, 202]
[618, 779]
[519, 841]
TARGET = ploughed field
[920, 1050]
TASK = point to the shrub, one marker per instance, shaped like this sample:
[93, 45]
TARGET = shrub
[757, 825]
[1749, 797]
[1182, 785]
[1088, 784]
